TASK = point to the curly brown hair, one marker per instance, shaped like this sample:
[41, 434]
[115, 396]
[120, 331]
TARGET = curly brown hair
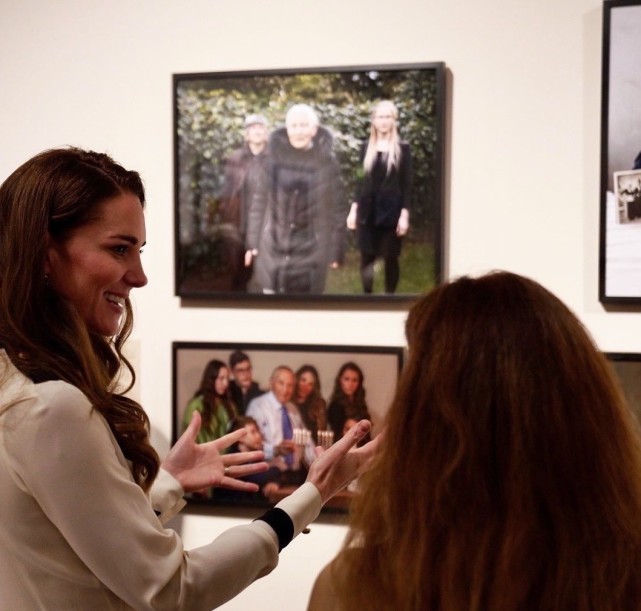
[48, 197]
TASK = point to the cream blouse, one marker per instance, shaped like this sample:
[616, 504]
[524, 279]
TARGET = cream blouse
[76, 531]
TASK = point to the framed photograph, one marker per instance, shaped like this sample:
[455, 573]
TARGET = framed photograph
[627, 196]
[627, 366]
[314, 183]
[620, 223]
[288, 397]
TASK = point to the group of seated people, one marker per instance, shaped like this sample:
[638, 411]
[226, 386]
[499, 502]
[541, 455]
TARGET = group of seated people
[286, 421]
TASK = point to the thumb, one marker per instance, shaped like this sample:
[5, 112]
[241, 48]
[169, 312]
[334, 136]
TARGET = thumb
[191, 432]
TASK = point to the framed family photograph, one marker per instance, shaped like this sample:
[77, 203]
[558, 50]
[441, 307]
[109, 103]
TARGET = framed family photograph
[321, 183]
[620, 197]
[289, 398]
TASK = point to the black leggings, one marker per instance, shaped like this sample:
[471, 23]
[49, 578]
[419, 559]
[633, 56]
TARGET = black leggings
[375, 242]
[392, 272]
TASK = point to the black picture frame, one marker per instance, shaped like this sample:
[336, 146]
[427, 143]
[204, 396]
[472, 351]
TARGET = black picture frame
[381, 367]
[209, 114]
[620, 184]
[627, 367]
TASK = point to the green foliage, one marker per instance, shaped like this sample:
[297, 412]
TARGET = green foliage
[210, 115]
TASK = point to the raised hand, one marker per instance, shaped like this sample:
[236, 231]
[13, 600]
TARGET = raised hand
[337, 466]
[197, 466]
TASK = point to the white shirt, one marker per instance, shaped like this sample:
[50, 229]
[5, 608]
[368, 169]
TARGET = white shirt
[266, 410]
[77, 532]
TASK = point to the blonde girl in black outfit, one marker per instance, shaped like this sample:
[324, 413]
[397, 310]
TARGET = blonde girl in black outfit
[380, 212]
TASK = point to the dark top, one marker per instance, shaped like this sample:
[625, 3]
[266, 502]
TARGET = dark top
[242, 176]
[241, 401]
[339, 412]
[297, 219]
[382, 196]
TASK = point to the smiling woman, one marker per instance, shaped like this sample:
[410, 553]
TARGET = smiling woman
[97, 266]
[84, 494]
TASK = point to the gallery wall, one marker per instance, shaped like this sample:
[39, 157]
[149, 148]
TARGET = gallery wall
[523, 161]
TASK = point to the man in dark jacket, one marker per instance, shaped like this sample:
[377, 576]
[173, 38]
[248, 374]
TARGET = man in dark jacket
[243, 170]
[296, 222]
[242, 386]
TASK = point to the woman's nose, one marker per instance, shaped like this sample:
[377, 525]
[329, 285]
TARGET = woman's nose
[135, 276]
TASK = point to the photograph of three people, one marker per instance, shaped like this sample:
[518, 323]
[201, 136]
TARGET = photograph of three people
[323, 183]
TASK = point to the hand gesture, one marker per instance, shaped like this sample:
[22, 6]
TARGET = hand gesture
[341, 463]
[197, 466]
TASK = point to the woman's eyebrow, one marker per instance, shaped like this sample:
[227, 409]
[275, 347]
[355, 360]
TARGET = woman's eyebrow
[128, 238]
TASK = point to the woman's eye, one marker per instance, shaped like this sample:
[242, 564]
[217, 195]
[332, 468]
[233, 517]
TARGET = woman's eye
[121, 249]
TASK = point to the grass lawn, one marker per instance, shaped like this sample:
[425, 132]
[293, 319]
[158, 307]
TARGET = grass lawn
[417, 272]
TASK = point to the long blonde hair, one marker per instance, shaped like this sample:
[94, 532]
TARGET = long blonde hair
[510, 474]
[394, 153]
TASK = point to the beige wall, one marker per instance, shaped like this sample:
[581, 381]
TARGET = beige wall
[523, 164]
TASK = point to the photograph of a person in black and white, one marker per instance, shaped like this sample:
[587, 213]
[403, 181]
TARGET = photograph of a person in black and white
[627, 186]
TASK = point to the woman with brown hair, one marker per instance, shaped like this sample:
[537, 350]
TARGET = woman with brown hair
[519, 481]
[213, 401]
[309, 401]
[347, 402]
[83, 493]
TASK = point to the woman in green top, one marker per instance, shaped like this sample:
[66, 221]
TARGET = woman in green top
[213, 402]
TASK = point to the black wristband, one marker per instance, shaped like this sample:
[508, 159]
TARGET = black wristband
[282, 525]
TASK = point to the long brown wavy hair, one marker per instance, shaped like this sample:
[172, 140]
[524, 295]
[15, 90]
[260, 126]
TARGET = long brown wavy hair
[509, 477]
[50, 196]
[358, 398]
[313, 409]
[207, 389]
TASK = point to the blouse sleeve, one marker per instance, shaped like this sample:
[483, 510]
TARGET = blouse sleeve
[166, 496]
[69, 461]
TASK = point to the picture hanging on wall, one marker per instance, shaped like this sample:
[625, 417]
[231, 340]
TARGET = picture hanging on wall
[316, 183]
[620, 206]
[289, 398]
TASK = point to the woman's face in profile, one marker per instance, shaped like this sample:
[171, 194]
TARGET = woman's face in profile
[98, 265]
[306, 384]
[349, 381]
[221, 383]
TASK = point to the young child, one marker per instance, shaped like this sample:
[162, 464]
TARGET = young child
[268, 481]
